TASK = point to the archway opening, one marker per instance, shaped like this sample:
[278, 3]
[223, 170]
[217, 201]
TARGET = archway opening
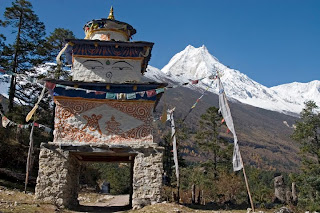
[105, 181]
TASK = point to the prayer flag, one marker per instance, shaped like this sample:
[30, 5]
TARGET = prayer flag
[50, 85]
[225, 111]
[159, 90]
[110, 95]
[5, 121]
[131, 95]
[151, 93]
[61, 86]
[142, 93]
[99, 92]
[121, 96]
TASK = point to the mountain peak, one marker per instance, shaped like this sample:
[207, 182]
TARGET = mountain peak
[191, 63]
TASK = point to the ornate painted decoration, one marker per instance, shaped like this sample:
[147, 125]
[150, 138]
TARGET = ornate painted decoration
[85, 121]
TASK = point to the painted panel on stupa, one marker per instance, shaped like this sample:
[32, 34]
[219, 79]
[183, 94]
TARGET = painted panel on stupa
[106, 70]
[104, 121]
[119, 50]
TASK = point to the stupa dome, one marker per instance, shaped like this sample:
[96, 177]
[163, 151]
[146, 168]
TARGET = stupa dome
[108, 29]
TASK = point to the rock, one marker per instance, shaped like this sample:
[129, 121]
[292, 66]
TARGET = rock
[249, 210]
[283, 210]
[279, 190]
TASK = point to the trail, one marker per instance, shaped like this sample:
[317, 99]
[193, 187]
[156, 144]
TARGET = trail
[106, 203]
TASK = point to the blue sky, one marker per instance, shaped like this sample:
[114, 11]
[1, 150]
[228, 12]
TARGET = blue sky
[272, 41]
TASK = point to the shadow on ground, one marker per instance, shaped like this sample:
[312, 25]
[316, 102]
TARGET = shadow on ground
[82, 208]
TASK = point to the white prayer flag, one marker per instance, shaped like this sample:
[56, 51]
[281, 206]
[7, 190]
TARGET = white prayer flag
[225, 111]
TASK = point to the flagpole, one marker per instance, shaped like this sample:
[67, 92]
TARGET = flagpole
[230, 121]
[29, 158]
[246, 181]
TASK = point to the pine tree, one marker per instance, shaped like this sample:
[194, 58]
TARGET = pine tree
[307, 133]
[54, 43]
[27, 50]
[2, 44]
[209, 140]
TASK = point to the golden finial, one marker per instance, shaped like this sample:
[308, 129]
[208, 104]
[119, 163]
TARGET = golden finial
[111, 16]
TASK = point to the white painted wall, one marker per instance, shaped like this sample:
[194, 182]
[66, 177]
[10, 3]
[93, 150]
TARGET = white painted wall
[106, 70]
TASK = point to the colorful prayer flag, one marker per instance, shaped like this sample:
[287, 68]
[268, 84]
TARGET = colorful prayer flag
[50, 85]
[131, 95]
[121, 96]
[151, 93]
[99, 92]
[110, 95]
[142, 93]
[5, 121]
[159, 90]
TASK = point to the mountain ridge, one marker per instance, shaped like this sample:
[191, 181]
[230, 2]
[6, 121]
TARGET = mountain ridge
[196, 63]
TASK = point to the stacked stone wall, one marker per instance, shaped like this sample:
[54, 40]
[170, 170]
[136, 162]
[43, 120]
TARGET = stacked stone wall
[147, 178]
[58, 177]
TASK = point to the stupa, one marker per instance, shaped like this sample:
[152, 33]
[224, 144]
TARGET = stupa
[104, 114]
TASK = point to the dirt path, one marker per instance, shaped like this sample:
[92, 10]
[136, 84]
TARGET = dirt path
[109, 200]
[105, 203]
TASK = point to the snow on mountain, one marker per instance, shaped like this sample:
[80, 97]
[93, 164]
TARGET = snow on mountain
[298, 93]
[195, 63]
[4, 84]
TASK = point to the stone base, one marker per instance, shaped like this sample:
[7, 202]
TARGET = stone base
[58, 178]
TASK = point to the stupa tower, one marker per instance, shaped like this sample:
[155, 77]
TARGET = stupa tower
[104, 114]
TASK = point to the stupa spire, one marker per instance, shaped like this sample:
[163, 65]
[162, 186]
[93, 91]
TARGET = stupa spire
[111, 16]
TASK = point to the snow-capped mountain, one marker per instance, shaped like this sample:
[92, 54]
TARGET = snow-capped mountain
[4, 84]
[298, 93]
[196, 63]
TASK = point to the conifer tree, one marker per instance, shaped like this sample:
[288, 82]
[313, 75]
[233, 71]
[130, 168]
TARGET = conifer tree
[307, 133]
[209, 140]
[54, 43]
[27, 51]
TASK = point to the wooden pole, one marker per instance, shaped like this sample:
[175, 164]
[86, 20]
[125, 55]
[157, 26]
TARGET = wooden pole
[247, 185]
[193, 194]
[29, 158]
[131, 180]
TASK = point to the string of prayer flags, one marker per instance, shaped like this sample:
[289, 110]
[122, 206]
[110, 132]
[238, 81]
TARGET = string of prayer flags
[7, 122]
[108, 95]
[46, 129]
[195, 104]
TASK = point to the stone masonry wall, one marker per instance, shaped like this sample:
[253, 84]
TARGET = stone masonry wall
[58, 177]
[147, 177]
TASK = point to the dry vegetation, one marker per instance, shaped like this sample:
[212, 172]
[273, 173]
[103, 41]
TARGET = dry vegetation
[14, 200]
